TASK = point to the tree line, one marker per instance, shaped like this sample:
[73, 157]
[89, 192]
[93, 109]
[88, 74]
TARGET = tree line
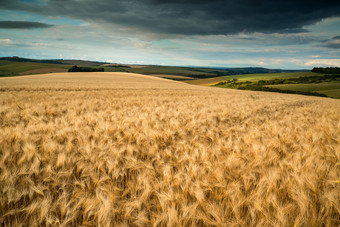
[330, 70]
[85, 69]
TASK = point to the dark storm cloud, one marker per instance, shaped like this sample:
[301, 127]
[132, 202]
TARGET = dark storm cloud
[191, 17]
[333, 43]
[22, 25]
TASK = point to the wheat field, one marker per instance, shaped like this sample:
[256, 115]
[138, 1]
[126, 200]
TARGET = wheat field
[118, 149]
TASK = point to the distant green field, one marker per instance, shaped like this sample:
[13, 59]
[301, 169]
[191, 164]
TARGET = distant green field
[331, 89]
[322, 84]
[12, 68]
[332, 93]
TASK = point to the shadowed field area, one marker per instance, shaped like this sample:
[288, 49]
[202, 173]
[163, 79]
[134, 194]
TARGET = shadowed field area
[9, 68]
[104, 149]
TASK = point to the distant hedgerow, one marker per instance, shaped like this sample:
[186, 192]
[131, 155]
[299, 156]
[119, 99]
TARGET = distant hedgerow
[326, 70]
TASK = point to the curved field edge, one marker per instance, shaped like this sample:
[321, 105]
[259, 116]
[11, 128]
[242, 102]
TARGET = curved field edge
[136, 151]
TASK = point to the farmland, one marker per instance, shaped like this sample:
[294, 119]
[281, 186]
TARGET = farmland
[270, 76]
[8, 68]
[307, 83]
[104, 149]
[332, 89]
[250, 77]
[13, 66]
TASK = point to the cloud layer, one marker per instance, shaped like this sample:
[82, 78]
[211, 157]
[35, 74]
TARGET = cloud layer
[22, 25]
[333, 43]
[191, 17]
[219, 33]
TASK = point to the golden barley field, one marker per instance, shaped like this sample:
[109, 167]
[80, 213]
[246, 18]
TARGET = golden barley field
[118, 149]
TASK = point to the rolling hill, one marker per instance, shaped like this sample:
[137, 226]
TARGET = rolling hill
[10, 66]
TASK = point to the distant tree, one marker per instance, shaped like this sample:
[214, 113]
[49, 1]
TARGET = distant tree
[74, 69]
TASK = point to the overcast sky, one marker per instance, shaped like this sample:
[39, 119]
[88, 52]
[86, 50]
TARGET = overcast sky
[226, 33]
